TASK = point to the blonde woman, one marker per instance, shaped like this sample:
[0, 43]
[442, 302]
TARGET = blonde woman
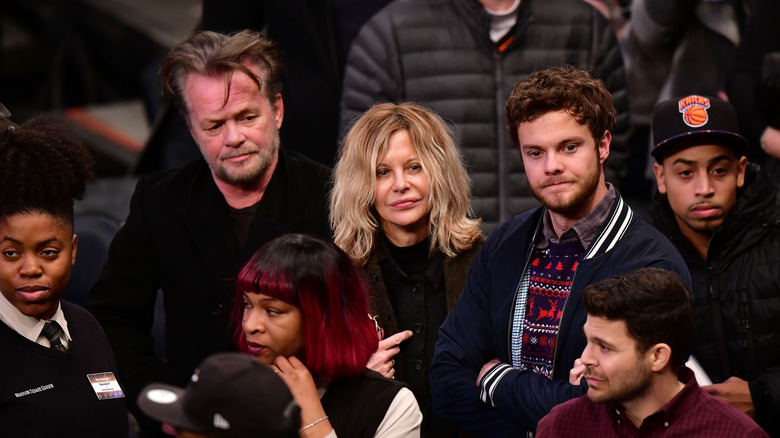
[400, 208]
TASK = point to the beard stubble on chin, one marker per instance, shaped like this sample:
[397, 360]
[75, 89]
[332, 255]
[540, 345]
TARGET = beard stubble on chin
[706, 226]
[631, 388]
[584, 190]
[258, 166]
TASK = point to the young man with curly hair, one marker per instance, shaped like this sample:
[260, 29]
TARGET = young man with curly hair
[505, 350]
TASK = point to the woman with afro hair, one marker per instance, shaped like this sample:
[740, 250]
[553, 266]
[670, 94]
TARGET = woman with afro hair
[59, 370]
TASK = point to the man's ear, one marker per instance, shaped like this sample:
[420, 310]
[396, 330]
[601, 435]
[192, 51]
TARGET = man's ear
[278, 108]
[659, 356]
[660, 179]
[741, 165]
[603, 146]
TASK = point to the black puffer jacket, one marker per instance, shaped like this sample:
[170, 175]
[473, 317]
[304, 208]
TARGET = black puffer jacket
[439, 53]
[741, 276]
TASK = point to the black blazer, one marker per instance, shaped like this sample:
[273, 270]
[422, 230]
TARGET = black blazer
[178, 238]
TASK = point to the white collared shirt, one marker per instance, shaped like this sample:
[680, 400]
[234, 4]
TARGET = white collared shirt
[30, 327]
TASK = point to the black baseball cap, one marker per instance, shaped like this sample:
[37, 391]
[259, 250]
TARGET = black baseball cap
[694, 120]
[5, 120]
[230, 395]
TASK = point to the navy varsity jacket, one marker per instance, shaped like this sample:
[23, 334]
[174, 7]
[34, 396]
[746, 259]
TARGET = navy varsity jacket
[478, 329]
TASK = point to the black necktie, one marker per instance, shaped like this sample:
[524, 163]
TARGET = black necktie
[51, 330]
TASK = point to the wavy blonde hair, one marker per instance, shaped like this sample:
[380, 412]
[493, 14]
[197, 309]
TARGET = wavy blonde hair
[352, 215]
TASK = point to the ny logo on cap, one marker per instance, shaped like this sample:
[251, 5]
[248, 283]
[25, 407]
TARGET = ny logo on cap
[694, 110]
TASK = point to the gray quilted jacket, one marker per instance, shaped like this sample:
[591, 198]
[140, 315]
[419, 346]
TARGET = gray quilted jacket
[438, 53]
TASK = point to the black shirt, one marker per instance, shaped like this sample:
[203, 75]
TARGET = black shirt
[414, 279]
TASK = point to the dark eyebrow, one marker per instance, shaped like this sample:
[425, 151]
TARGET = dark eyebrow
[710, 162]
[563, 142]
[684, 161]
[720, 158]
[38, 245]
[48, 242]
[575, 139]
[598, 340]
[266, 299]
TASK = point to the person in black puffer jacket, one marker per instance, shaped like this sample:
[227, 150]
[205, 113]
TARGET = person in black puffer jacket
[455, 57]
[723, 215]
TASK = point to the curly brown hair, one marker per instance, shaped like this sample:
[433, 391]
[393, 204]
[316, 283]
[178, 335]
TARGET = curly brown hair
[43, 168]
[568, 88]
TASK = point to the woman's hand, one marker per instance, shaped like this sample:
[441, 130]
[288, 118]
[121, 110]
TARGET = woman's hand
[304, 390]
[382, 361]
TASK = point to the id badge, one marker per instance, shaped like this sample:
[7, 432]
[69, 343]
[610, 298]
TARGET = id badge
[105, 386]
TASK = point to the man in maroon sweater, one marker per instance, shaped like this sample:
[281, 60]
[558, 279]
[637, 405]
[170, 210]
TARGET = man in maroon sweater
[639, 329]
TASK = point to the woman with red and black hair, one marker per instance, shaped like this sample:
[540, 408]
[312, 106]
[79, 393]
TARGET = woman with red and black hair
[303, 308]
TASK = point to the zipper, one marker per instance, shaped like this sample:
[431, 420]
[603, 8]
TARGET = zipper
[748, 334]
[710, 289]
[501, 150]
[717, 324]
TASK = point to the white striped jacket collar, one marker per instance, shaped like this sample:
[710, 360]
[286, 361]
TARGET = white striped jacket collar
[613, 231]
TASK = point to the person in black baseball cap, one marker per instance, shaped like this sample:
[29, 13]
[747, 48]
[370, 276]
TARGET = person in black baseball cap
[700, 163]
[229, 395]
[695, 120]
[5, 120]
[722, 214]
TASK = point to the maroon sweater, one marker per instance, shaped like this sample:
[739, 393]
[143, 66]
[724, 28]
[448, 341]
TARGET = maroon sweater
[693, 412]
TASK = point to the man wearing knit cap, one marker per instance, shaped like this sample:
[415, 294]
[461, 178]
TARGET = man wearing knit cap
[722, 213]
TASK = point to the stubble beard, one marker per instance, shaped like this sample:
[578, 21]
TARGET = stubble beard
[253, 169]
[634, 386]
[705, 227]
[584, 190]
